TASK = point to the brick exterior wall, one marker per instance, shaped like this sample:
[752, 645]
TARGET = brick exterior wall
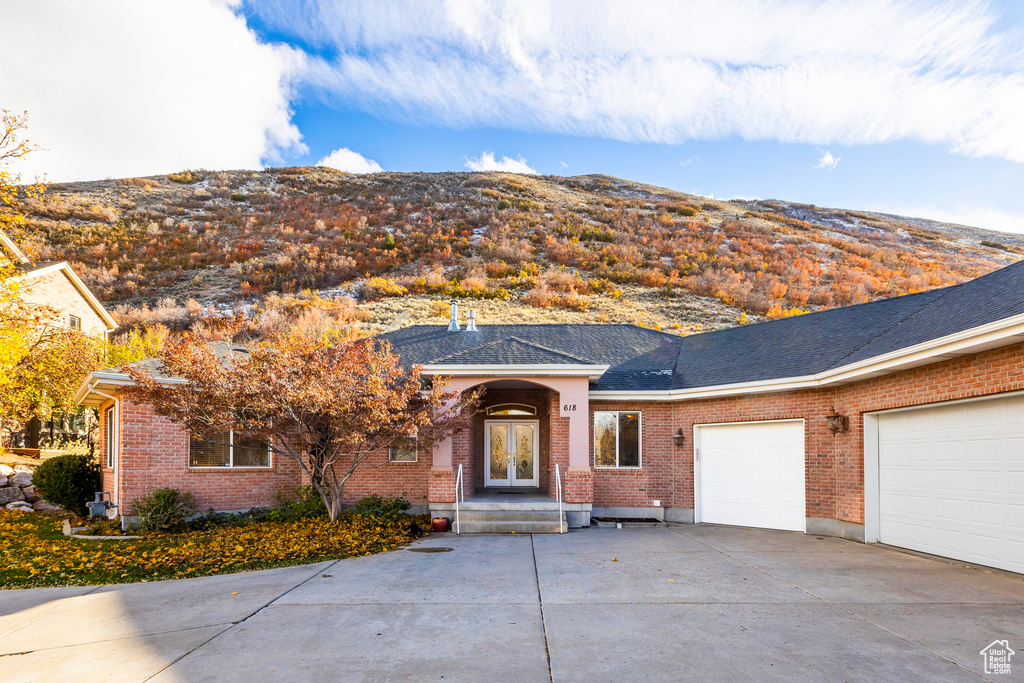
[154, 454]
[390, 479]
[654, 479]
[983, 374]
[154, 450]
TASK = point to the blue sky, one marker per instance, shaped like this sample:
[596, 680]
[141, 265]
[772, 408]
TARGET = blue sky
[893, 105]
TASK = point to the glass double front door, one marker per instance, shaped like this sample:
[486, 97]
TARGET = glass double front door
[510, 448]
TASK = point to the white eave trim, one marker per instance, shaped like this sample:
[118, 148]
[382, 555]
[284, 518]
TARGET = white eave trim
[591, 372]
[112, 379]
[14, 252]
[992, 335]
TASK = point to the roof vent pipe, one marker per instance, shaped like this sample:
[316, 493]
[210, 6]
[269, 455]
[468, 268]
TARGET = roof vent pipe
[453, 326]
[471, 323]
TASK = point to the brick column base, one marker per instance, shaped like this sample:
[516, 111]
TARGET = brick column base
[578, 485]
[441, 485]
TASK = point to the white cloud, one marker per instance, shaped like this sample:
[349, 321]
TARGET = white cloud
[345, 159]
[487, 162]
[827, 161]
[563, 164]
[124, 88]
[803, 71]
[986, 217]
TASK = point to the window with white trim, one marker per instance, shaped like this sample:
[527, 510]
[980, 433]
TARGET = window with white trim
[74, 322]
[110, 426]
[228, 450]
[617, 438]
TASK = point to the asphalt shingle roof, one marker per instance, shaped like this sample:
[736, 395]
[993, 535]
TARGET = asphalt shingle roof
[155, 368]
[511, 351]
[644, 359]
[817, 342]
[631, 352]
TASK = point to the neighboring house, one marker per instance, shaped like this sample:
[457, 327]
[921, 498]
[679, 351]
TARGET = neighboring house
[899, 421]
[55, 284]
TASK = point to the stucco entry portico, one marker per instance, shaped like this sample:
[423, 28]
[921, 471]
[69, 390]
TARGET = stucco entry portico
[565, 423]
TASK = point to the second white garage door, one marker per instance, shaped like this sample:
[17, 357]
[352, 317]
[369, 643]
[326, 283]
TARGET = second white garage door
[951, 480]
[751, 474]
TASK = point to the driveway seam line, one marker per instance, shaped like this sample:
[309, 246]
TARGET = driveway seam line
[240, 621]
[842, 608]
[540, 601]
[51, 611]
[114, 640]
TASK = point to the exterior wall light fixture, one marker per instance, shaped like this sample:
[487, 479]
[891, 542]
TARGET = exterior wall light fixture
[678, 438]
[837, 423]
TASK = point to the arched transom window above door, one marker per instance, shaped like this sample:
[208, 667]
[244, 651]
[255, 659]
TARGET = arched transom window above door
[512, 409]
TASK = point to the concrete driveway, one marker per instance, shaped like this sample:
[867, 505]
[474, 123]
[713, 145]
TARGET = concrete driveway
[680, 603]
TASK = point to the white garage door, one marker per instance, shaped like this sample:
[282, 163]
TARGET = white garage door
[751, 474]
[951, 481]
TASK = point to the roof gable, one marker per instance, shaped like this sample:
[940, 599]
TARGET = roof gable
[34, 270]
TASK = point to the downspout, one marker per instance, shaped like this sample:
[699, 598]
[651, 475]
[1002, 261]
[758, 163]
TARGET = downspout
[116, 493]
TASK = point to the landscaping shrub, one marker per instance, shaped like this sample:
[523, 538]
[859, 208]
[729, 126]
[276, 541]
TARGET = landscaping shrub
[164, 509]
[376, 506]
[69, 481]
[307, 504]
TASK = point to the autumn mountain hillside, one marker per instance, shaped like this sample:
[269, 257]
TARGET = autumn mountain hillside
[524, 248]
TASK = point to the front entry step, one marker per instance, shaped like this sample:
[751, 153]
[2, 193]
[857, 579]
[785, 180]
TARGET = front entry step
[510, 522]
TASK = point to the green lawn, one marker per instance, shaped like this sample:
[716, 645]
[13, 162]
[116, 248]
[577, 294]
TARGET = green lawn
[35, 553]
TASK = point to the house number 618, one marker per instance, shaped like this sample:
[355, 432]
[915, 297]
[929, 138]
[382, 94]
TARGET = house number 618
[569, 407]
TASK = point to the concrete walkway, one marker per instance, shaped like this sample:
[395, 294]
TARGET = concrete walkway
[682, 603]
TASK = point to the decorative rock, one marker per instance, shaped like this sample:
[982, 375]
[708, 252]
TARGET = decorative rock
[23, 468]
[31, 493]
[20, 505]
[43, 506]
[3, 480]
[20, 479]
[10, 494]
[6, 470]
